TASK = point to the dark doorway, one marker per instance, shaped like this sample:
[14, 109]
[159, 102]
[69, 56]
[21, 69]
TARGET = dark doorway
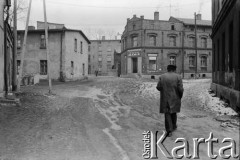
[135, 65]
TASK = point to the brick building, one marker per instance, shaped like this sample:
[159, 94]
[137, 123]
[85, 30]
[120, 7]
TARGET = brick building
[6, 49]
[101, 55]
[68, 53]
[226, 50]
[148, 46]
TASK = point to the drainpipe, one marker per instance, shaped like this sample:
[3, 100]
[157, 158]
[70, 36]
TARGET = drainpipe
[62, 79]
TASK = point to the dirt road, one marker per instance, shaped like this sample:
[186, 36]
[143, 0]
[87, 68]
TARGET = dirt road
[104, 119]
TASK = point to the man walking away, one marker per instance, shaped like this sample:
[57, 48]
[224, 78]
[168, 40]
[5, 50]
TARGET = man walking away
[171, 88]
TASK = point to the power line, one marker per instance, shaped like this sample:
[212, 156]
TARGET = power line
[112, 7]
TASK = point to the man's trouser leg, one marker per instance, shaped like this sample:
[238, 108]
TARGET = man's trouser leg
[168, 122]
[174, 120]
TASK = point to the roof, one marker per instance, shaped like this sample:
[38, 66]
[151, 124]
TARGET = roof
[58, 30]
[189, 21]
[106, 40]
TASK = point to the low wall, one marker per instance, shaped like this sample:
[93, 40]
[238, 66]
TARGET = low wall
[233, 96]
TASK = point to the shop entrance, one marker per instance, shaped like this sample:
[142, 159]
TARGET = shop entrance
[135, 65]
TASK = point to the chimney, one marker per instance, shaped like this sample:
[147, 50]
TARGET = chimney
[156, 15]
[103, 37]
[199, 16]
[142, 17]
[31, 28]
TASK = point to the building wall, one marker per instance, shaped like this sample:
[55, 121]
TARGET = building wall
[143, 28]
[1, 47]
[226, 48]
[76, 57]
[34, 53]
[103, 48]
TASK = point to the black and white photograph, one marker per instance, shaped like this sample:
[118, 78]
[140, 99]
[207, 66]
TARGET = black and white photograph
[119, 79]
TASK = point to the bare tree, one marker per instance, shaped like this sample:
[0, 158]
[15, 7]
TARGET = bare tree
[98, 33]
[21, 10]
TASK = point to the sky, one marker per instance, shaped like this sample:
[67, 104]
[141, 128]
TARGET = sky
[110, 16]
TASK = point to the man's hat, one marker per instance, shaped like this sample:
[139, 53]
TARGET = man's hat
[171, 67]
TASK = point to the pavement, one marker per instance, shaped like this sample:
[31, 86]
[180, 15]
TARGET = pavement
[104, 117]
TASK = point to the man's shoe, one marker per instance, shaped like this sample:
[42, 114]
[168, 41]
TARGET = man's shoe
[169, 134]
[174, 128]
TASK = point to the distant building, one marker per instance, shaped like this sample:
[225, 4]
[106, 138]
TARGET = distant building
[148, 46]
[101, 55]
[117, 62]
[6, 50]
[68, 53]
[226, 50]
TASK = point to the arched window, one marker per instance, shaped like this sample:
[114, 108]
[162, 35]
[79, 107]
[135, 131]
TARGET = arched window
[172, 60]
[191, 41]
[204, 42]
[172, 41]
[152, 40]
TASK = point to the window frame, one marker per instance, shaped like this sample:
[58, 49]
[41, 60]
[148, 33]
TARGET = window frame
[43, 67]
[42, 41]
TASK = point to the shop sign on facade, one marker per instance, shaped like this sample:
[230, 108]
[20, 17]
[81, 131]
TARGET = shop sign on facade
[134, 53]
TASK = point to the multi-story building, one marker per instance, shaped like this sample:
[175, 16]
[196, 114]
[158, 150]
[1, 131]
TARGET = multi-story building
[148, 46]
[101, 55]
[6, 49]
[68, 53]
[226, 50]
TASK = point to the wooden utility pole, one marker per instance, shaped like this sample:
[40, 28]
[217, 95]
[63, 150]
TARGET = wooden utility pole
[24, 47]
[14, 78]
[47, 48]
[195, 18]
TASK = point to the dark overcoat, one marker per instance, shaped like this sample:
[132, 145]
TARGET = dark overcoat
[171, 88]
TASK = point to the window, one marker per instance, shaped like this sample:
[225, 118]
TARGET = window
[134, 42]
[153, 63]
[43, 67]
[89, 48]
[204, 42]
[18, 41]
[72, 68]
[18, 66]
[99, 48]
[191, 41]
[152, 40]
[83, 69]
[191, 61]
[75, 45]
[172, 41]
[109, 49]
[109, 58]
[89, 58]
[81, 47]
[43, 41]
[100, 58]
[203, 61]
[109, 65]
[134, 27]
[172, 27]
[172, 60]
[100, 65]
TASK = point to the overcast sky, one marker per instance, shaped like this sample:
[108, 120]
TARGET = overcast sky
[112, 14]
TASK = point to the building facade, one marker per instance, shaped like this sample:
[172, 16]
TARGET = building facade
[68, 53]
[148, 46]
[101, 55]
[226, 50]
[6, 49]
